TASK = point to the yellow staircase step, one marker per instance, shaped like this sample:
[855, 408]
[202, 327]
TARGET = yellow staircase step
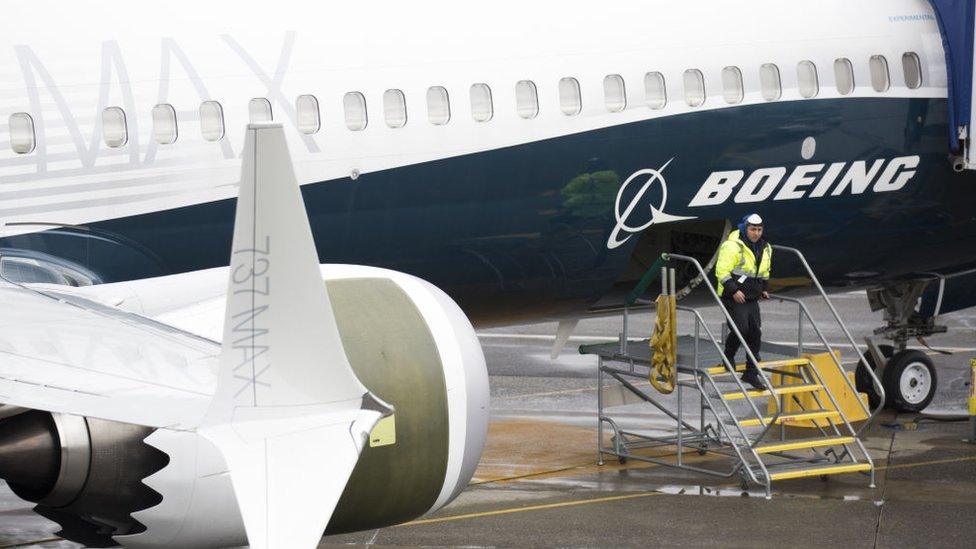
[783, 390]
[821, 470]
[722, 370]
[793, 417]
[787, 445]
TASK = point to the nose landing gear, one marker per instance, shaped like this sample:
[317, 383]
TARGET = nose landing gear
[908, 375]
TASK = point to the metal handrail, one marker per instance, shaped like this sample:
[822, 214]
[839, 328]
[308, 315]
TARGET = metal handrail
[743, 446]
[735, 446]
[645, 281]
[711, 336]
[738, 334]
[700, 322]
[879, 388]
[843, 416]
[833, 357]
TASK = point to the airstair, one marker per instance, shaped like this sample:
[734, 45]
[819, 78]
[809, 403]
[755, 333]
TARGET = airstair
[801, 425]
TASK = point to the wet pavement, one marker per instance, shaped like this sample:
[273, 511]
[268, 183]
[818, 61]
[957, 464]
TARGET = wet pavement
[538, 483]
[537, 488]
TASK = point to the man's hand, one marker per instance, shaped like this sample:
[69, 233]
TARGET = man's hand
[739, 297]
[765, 295]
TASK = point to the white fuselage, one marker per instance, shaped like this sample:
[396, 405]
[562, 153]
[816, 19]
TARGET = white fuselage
[64, 63]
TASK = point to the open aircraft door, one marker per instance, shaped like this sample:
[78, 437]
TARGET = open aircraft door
[957, 22]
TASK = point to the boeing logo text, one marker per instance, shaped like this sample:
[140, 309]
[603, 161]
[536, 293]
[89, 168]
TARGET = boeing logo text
[806, 181]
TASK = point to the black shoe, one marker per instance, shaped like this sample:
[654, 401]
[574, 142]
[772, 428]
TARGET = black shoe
[752, 378]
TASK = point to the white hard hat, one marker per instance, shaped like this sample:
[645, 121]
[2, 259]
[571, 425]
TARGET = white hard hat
[754, 219]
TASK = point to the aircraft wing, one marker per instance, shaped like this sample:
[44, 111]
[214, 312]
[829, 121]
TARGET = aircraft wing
[60, 353]
[277, 398]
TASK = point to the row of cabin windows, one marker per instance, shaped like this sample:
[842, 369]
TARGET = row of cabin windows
[770, 82]
[308, 120]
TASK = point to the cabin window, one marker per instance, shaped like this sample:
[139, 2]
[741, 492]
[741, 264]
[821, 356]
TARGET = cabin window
[164, 124]
[732, 85]
[807, 81]
[481, 106]
[880, 79]
[526, 99]
[259, 110]
[912, 66]
[694, 87]
[570, 98]
[211, 121]
[307, 111]
[114, 129]
[22, 137]
[395, 108]
[844, 75]
[655, 91]
[354, 105]
[614, 93]
[769, 82]
[438, 105]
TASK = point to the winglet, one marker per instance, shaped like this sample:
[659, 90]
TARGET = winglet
[275, 295]
[289, 414]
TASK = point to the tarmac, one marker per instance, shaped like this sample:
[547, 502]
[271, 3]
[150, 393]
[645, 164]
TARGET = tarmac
[538, 483]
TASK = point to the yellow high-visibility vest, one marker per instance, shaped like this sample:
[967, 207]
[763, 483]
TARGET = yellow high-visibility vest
[735, 259]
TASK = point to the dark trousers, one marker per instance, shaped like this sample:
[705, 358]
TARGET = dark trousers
[747, 319]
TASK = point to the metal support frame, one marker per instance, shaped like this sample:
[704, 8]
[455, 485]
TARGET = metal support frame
[719, 429]
[902, 321]
[702, 435]
[878, 386]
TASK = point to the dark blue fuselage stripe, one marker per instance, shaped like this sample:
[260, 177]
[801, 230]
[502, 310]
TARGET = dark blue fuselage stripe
[521, 232]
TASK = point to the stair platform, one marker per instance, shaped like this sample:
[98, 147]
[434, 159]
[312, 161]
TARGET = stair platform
[805, 386]
[639, 352]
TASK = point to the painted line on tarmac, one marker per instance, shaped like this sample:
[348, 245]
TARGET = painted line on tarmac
[560, 392]
[526, 475]
[574, 503]
[546, 337]
[923, 463]
[596, 338]
[586, 467]
[690, 455]
[543, 507]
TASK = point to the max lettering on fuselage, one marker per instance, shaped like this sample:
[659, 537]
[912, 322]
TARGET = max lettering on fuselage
[806, 181]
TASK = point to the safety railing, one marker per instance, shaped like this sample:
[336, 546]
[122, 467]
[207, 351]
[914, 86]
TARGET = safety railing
[699, 324]
[804, 312]
[746, 447]
[878, 387]
[735, 329]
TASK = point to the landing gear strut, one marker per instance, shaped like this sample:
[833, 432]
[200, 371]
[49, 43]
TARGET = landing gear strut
[908, 376]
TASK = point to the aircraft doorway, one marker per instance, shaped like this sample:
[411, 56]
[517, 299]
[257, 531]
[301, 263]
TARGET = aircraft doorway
[696, 238]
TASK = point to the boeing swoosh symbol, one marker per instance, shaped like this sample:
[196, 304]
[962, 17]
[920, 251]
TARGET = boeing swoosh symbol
[657, 214]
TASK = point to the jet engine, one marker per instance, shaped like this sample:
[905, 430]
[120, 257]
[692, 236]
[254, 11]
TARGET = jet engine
[110, 483]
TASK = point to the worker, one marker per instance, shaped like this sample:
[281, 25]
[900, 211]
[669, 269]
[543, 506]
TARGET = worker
[742, 270]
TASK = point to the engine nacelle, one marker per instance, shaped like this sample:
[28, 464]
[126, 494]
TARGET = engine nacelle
[409, 344]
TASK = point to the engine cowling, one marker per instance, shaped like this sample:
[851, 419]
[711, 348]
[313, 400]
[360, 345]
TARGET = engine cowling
[409, 344]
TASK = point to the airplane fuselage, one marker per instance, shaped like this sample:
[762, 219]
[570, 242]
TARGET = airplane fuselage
[516, 213]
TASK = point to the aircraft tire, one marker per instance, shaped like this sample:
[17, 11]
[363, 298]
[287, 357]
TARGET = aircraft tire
[863, 380]
[910, 381]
